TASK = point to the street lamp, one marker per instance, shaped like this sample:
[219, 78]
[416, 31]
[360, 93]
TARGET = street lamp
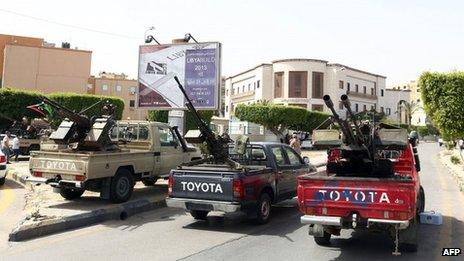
[149, 38]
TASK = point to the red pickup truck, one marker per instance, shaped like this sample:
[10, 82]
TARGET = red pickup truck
[332, 202]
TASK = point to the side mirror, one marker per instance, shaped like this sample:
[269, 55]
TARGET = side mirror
[306, 160]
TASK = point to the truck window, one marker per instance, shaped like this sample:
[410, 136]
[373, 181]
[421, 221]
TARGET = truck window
[144, 133]
[130, 132]
[279, 156]
[166, 137]
[293, 157]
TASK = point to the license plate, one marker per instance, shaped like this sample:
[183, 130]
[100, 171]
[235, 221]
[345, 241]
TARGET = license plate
[198, 206]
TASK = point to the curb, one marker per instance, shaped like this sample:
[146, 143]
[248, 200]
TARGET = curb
[456, 176]
[47, 227]
[13, 175]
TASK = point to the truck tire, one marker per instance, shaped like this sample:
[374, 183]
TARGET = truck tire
[149, 181]
[2, 181]
[420, 206]
[71, 194]
[263, 209]
[199, 214]
[324, 240]
[122, 186]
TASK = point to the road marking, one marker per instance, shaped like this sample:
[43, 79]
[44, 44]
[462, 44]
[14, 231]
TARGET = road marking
[6, 199]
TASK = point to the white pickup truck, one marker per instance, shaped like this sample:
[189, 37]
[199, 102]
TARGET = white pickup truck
[149, 150]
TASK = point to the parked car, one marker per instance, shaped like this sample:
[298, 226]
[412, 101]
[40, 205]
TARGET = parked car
[2, 168]
[269, 175]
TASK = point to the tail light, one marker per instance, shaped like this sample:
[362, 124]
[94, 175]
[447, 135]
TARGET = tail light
[170, 184]
[2, 159]
[80, 178]
[37, 174]
[237, 188]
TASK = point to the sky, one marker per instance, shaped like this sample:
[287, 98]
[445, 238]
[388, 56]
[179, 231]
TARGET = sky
[398, 39]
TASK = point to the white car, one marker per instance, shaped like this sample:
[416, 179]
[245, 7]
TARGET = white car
[2, 168]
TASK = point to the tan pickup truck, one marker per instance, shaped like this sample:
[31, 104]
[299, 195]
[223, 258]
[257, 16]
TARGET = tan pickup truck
[148, 150]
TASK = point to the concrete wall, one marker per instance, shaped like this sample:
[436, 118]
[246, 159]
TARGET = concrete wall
[18, 40]
[46, 69]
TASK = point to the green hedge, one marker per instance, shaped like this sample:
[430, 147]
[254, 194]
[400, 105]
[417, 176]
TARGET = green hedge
[442, 94]
[13, 104]
[278, 117]
[162, 116]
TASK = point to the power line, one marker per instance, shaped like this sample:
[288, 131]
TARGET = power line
[68, 25]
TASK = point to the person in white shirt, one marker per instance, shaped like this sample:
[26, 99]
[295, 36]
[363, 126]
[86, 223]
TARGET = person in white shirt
[6, 146]
[15, 148]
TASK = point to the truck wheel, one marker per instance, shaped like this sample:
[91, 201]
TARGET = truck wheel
[149, 181]
[122, 185]
[199, 214]
[71, 194]
[420, 207]
[324, 240]
[2, 181]
[263, 209]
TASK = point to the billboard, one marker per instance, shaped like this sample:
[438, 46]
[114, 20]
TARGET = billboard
[196, 65]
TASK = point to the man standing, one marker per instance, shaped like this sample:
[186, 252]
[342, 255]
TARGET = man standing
[15, 147]
[6, 146]
[295, 143]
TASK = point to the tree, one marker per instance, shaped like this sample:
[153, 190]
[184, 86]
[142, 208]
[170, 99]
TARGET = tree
[443, 97]
[278, 118]
[410, 108]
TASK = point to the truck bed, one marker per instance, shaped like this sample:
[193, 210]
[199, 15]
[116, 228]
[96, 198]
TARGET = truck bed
[340, 196]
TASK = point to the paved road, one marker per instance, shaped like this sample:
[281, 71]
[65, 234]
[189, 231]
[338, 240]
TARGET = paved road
[169, 234]
[11, 207]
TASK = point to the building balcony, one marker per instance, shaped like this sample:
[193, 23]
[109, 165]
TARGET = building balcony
[361, 95]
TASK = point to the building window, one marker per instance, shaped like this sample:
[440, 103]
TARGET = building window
[364, 89]
[243, 88]
[278, 81]
[257, 84]
[227, 108]
[348, 86]
[356, 107]
[356, 87]
[318, 84]
[381, 93]
[297, 84]
[249, 87]
[418, 100]
[372, 91]
[317, 107]
[381, 109]
[388, 111]
[372, 107]
[133, 90]
[340, 84]
[104, 87]
[118, 88]
[364, 107]
[340, 105]
[132, 103]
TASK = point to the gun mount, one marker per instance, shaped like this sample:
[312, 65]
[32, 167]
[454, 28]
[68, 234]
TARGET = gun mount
[81, 132]
[218, 146]
[363, 146]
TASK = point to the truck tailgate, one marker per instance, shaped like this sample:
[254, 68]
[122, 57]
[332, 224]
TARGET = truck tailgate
[64, 164]
[208, 185]
[370, 197]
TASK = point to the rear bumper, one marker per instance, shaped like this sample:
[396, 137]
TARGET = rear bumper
[200, 204]
[54, 183]
[337, 221]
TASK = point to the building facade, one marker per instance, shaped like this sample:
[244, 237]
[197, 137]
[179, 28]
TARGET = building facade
[36, 67]
[118, 85]
[303, 83]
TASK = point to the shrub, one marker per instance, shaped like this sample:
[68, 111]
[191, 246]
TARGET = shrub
[455, 160]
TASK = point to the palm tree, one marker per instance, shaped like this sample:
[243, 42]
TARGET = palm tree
[410, 108]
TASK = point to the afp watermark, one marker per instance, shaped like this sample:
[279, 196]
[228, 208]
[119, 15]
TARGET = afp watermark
[448, 251]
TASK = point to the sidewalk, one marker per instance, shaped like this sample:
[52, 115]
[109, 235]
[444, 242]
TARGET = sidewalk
[456, 169]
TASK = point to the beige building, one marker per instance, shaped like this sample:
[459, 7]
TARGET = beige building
[45, 69]
[118, 85]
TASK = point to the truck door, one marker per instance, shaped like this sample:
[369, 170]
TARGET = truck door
[171, 153]
[297, 168]
[284, 172]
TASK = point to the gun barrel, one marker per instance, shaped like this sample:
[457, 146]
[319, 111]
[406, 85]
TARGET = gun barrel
[346, 102]
[345, 128]
[65, 112]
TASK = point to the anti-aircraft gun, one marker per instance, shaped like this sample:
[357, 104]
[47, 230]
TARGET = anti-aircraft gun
[218, 146]
[80, 132]
[362, 148]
